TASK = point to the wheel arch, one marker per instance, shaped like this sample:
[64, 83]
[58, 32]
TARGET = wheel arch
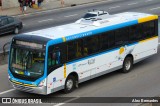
[74, 74]
[130, 55]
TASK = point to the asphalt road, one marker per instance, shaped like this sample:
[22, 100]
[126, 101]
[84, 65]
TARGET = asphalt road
[53, 18]
[142, 81]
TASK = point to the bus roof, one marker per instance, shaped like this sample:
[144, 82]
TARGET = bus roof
[88, 27]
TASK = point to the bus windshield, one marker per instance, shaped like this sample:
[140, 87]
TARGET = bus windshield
[27, 63]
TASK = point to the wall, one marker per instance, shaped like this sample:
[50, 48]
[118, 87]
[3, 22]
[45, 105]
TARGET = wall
[9, 3]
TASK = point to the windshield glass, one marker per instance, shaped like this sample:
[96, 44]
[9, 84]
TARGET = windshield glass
[27, 63]
[88, 15]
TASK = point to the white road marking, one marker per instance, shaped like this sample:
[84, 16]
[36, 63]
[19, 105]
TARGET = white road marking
[60, 104]
[1, 93]
[114, 7]
[71, 15]
[132, 3]
[45, 20]
[148, 0]
[155, 8]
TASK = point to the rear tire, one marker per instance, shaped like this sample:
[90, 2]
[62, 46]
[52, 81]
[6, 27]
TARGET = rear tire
[127, 64]
[70, 84]
[16, 30]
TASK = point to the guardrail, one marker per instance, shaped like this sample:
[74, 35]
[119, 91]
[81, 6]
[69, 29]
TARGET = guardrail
[5, 50]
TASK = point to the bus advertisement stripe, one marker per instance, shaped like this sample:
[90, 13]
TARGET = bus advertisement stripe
[148, 39]
[149, 18]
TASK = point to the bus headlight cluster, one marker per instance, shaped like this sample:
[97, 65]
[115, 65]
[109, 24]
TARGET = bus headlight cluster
[42, 83]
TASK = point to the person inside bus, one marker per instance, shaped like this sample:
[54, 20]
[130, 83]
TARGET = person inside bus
[79, 52]
[51, 59]
[54, 59]
[85, 51]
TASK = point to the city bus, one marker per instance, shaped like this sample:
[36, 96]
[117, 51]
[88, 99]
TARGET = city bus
[61, 57]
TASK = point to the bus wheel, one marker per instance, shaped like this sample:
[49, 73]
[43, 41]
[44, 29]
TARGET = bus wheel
[69, 84]
[127, 64]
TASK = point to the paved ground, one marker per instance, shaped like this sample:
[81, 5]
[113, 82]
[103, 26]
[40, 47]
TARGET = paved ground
[47, 5]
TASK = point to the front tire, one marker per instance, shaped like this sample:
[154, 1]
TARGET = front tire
[16, 30]
[70, 84]
[127, 64]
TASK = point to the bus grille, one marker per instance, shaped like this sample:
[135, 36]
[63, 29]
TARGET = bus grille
[23, 88]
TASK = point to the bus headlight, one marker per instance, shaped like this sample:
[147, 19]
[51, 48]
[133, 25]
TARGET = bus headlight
[42, 83]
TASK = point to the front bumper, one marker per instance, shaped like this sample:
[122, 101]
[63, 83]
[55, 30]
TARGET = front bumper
[37, 90]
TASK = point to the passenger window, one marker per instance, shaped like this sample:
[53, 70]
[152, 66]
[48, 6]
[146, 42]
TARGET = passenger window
[10, 19]
[54, 58]
[74, 50]
[152, 28]
[91, 44]
[133, 33]
[71, 50]
[79, 48]
[121, 36]
[104, 41]
[4, 22]
[111, 39]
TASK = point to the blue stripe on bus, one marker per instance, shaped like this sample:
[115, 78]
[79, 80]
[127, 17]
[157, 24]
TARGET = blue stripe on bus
[93, 32]
[99, 54]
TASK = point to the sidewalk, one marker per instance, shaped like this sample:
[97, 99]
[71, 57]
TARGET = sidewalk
[47, 5]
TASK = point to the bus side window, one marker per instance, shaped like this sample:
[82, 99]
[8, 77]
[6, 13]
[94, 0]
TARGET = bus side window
[51, 59]
[58, 57]
[85, 51]
[54, 59]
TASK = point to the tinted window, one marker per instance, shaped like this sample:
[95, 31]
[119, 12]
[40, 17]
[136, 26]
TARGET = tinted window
[55, 56]
[121, 36]
[103, 41]
[142, 31]
[10, 19]
[91, 44]
[4, 21]
[132, 33]
[111, 39]
[71, 50]
[74, 49]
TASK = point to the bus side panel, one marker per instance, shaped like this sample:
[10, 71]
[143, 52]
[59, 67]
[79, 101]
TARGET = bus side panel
[113, 60]
[100, 64]
[55, 80]
[145, 48]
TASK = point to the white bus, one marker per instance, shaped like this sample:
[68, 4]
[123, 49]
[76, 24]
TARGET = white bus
[61, 57]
